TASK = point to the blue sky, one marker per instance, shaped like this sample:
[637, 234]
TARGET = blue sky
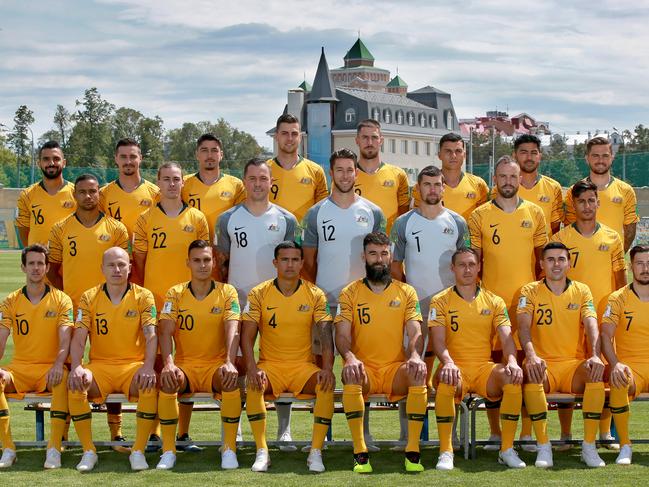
[581, 66]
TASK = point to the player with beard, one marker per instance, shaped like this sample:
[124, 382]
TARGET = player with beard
[625, 334]
[47, 202]
[373, 315]
[383, 184]
[617, 200]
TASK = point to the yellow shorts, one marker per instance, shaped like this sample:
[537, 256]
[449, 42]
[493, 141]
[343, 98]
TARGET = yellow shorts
[640, 377]
[560, 374]
[288, 377]
[28, 378]
[113, 378]
[199, 377]
[382, 378]
[475, 378]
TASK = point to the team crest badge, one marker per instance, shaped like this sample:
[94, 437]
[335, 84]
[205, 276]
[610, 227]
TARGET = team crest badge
[389, 183]
[306, 181]
[522, 302]
[104, 238]
[526, 224]
[188, 228]
[216, 310]
[617, 200]
[573, 306]
[273, 227]
[68, 204]
[544, 199]
[607, 311]
[226, 194]
[485, 312]
[338, 310]
[131, 313]
[395, 303]
[362, 220]
[79, 315]
[470, 195]
[603, 248]
[432, 314]
[50, 314]
[166, 308]
[448, 231]
[303, 308]
[145, 203]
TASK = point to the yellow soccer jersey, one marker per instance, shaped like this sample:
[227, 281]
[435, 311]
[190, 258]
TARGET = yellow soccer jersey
[127, 207]
[200, 325]
[378, 320]
[507, 242]
[593, 260]
[214, 199]
[471, 327]
[470, 193]
[39, 211]
[298, 188]
[617, 206]
[79, 250]
[387, 188]
[35, 327]
[631, 319]
[557, 321]
[285, 322]
[115, 331]
[165, 241]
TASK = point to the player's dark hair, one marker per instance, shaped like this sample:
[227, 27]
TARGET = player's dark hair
[50, 144]
[169, 165]
[211, 138]
[286, 118]
[638, 249]
[504, 160]
[596, 141]
[554, 246]
[450, 137]
[85, 177]
[198, 244]
[41, 249]
[288, 244]
[376, 238]
[127, 142]
[342, 154]
[431, 172]
[581, 186]
[369, 123]
[465, 250]
[255, 161]
[527, 139]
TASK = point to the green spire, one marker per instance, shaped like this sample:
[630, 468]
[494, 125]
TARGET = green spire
[359, 51]
[306, 87]
[397, 82]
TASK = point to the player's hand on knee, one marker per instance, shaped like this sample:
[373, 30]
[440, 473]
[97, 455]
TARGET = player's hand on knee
[353, 371]
[620, 375]
[326, 379]
[514, 373]
[449, 374]
[229, 375]
[256, 378]
[535, 368]
[416, 369]
[169, 377]
[77, 380]
[145, 378]
[595, 368]
[4, 377]
[55, 375]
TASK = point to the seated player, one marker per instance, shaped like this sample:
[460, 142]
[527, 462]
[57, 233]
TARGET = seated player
[463, 321]
[625, 335]
[120, 319]
[201, 319]
[284, 311]
[554, 314]
[40, 319]
[373, 315]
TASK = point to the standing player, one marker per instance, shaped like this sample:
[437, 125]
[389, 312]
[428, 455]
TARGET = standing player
[209, 190]
[200, 319]
[284, 311]
[554, 314]
[40, 319]
[298, 183]
[463, 192]
[625, 334]
[616, 198]
[120, 320]
[383, 184]
[373, 315]
[47, 202]
[463, 321]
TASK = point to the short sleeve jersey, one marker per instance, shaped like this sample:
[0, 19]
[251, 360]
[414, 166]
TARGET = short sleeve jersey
[79, 250]
[299, 188]
[199, 336]
[594, 260]
[471, 192]
[127, 207]
[617, 206]
[39, 211]
[507, 242]
[213, 199]
[250, 242]
[426, 247]
[338, 234]
[35, 327]
[471, 327]
[630, 316]
[115, 331]
[557, 321]
[378, 321]
[387, 188]
[285, 322]
[165, 241]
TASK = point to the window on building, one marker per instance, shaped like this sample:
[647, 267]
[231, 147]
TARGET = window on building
[427, 148]
[393, 146]
[449, 120]
[411, 119]
[433, 121]
[415, 147]
[404, 146]
[399, 117]
[376, 114]
[350, 115]
[422, 120]
[387, 116]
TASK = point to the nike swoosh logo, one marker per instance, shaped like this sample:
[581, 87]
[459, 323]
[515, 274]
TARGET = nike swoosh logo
[112, 203]
[236, 229]
[626, 313]
[269, 308]
[543, 304]
[451, 311]
[19, 315]
[155, 229]
[494, 225]
[182, 310]
[327, 221]
[100, 314]
[415, 233]
[35, 206]
[70, 238]
[191, 195]
[361, 304]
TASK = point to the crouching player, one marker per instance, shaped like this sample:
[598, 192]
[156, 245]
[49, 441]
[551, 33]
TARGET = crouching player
[463, 320]
[40, 319]
[120, 319]
[284, 311]
[201, 318]
[626, 323]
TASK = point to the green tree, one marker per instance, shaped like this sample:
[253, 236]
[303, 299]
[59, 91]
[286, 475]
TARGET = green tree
[62, 120]
[90, 138]
[558, 148]
[639, 139]
[19, 139]
[50, 135]
[149, 132]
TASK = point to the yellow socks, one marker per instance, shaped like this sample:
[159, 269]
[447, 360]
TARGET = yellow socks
[82, 417]
[416, 404]
[58, 413]
[605, 420]
[230, 414]
[256, 411]
[592, 409]
[619, 403]
[445, 415]
[168, 413]
[323, 410]
[354, 410]
[147, 405]
[510, 409]
[5, 427]
[184, 417]
[537, 407]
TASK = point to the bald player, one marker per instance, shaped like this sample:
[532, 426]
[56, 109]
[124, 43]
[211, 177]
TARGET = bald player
[119, 318]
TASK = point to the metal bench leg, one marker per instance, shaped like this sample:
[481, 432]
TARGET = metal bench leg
[40, 426]
[424, 430]
[464, 423]
[329, 434]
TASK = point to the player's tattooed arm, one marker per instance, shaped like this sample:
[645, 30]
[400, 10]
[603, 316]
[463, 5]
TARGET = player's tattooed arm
[629, 236]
